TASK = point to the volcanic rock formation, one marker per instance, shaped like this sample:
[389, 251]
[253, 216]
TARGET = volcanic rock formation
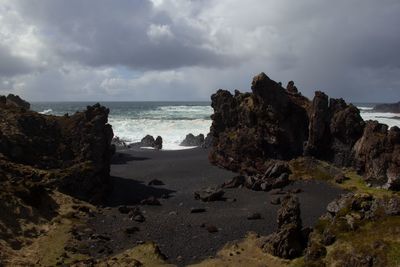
[250, 130]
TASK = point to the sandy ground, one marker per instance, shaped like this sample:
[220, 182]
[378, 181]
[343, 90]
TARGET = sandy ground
[178, 232]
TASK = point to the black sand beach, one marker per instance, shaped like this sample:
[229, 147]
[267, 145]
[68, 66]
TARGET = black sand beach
[178, 232]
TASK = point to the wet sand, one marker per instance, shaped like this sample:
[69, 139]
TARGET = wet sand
[178, 232]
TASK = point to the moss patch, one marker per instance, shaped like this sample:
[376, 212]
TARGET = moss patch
[243, 253]
[379, 240]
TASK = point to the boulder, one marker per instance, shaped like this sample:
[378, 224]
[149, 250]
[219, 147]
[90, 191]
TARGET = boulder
[147, 141]
[158, 143]
[289, 241]
[191, 140]
[209, 194]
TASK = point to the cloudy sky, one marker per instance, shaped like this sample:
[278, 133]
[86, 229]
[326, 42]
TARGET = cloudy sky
[186, 49]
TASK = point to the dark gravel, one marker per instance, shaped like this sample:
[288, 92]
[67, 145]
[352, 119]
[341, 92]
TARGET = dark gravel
[181, 235]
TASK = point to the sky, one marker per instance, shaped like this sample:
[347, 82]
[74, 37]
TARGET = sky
[177, 50]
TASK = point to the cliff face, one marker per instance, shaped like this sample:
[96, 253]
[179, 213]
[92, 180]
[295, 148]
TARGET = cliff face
[248, 128]
[272, 123]
[72, 152]
[40, 155]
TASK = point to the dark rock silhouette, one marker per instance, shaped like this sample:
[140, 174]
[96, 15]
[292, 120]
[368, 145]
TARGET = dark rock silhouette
[15, 101]
[192, 140]
[158, 143]
[76, 148]
[40, 154]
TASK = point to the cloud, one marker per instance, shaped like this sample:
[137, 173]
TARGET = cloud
[178, 49]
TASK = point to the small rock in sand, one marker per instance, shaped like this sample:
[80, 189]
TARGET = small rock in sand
[131, 230]
[295, 191]
[156, 182]
[254, 216]
[124, 209]
[139, 218]
[277, 192]
[209, 194]
[275, 201]
[151, 201]
[211, 229]
[197, 210]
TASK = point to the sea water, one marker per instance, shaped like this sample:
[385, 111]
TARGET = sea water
[131, 121]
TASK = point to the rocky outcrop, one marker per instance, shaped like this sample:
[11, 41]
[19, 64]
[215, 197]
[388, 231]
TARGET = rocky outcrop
[192, 140]
[72, 153]
[276, 176]
[290, 240]
[148, 141]
[377, 155]
[14, 101]
[251, 130]
[333, 130]
[348, 214]
[392, 108]
[41, 156]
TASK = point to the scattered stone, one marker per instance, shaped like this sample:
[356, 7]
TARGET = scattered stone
[278, 192]
[275, 201]
[197, 210]
[235, 182]
[124, 209]
[151, 201]
[211, 229]
[131, 230]
[139, 218]
[295, 191]
[254, 216]
[156, 182]
[209, 194]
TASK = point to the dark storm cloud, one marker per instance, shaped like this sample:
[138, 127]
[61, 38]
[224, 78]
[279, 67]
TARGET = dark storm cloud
[129, 33]
[177, 48]
[11, 65]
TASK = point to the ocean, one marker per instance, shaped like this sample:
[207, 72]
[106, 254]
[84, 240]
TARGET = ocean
[131, 121]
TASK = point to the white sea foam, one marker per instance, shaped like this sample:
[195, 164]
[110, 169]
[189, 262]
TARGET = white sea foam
[46, 111]
[172, 123]
[365, 108]
[391, 119]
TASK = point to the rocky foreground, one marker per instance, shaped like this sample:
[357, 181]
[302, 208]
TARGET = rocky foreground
[253, 131]
[274, 135]
[51, 169]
